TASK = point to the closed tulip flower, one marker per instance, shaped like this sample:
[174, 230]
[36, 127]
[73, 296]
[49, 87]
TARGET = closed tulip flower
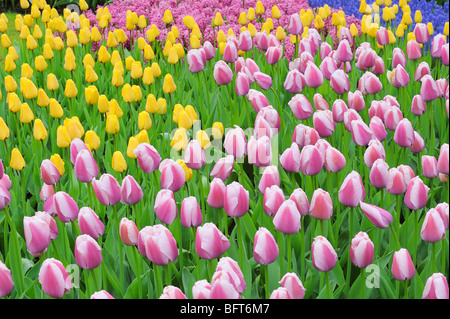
[311, 160]
[361, 250]
[352, 190]
[436, 287]
[413, 50]
[287, 218]
[380, 217]
[300, 106]
[269, 177]
[429, 90]
[194, 155]
[195, 61]
[273, 54]
[165, 206]
[190, 213]
[324, 256]
[222, 286]
[396, 183]
[5, 196]
[334, 160]
[369, 83]
[374, 151]
[62, 205]
[201, 289]
[210, 243]
[272, 200]
[85, 167]
[443, 160]
[17, 162]
[148, 157]
[416, 196]
[294, 82]
[321, 205]
[49, 173]
[37, 234]
[402, 265]
[293, 285]
[339, 82]
[223, 168]
[433, 227]
[404, 133]
[290, 159]
[265, 248]
[236, 200]
[107, 189]
[429, 166]
[172, 175]
[6, 282]
[235, 142]
[230, 54]
[263, 80]
[344, 52]
[328, 67]
[157, 244]
[338, 110]
[295, 26]
[130, 191]
[304, 135]
[128, 232]
[87, 252]
[54, 278]
[323, 123]
[242, 86]
[216, 193]
[89, 223]
[222, 73]
[422, 33]
[361, 132]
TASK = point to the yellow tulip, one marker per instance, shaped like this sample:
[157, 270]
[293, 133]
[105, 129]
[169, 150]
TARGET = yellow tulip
[318, 22]
[141, 43]
[184, 120]
[111, 42]
[114, 109]
[4, 130]
[252, 29]
[42, 98]
[187, 170]
[26, 114]
[169, 85]
[280, 34]
[430, 28]
[39, 130]
[95, 34]
[142, 137]
[418, 16]
[128, 62]
[276, 14]
[188, 21]
[103, 55]
[40, 64]
[180, 139]
[147, 78]
[70, 90]
[118, 162]
[14, 103]
[37, 33]
[28, 89]
[17, 161]
[74, 127]
[151, 105]
[242, 18]
[176, 111]
[58, 162]
[194, 42]
[218, 20]
[52, 82]
[191, 112]
[136, 70]
[151, 35]
[116, 58]
[142, 22]
[112, 124]
[148, 52]
[117, 78]
[69, 60]
[144, 121]
[31, 43]
[167, 18]
[392, 38]
[10, 84]
[217, 130]
[133, 142]
[127, 93]
[203, 138]
[9, 64]
[71, 39]
[3, 25]
[6, 42]
[137, 92]
[55, 110]
[62, 137]
[83, 5]
[47, 52]
[84, 35]
[353, 30]
[162, 106]
[91, 95]
[259, 8]
[173, 56]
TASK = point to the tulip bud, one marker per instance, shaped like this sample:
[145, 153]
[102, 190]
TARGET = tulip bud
[89, 223]
[361, 250]
[436, 287]
[223, 168]
[190, 213]
[352, 190]
[311, 160]
[287, 218]
[216, 193]
[290, 159]
[402, 265]
[324, 257]
[210, 243]
[6, 281]
[236, 200]
[433, 227]
[172, 175]
[443, 160]
[54, 279]
[128, 232]
[157, 244]
[321, 205]
[86, 168]
[265, 248]
[148, 157]
[165, 206]
[300, 106]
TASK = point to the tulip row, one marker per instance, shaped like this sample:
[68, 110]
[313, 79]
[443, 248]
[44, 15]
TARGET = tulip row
[222, 170]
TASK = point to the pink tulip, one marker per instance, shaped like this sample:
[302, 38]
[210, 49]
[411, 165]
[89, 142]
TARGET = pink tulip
[361, 132]
[287, 218]
[293, 285]
[442, 86]
[418, 145]
[429, 166]
[148, 157]
[5, 197]
[324, 256]
[130, 192]
[172, 175]
[361, 250]
[334, 160]
[210, 243]
[172, 292]
[157, 244]
[374, 151]
[442, 209]
[236, 200]
[102, 294]
[263, 80]
[382, 36]
[270, 114]
[290, 159]
[216, 193]
[245, 42]
[201, 289]
[369, 84]
[230, 266]
[129, 232]
[378, 108]
[338, 110]
[194, 60]
[265, 248]
[54, 279]
[235, 142]
[307, 45]
[418, 106]
[323, 123]
[259, 151]
[443, 160]
[320, 103]
[50, 221]
[274, 54]
[280, 293]
[401, 77]
[37, 234]
[62, 205]
[242, 84]
[190, 213]
[433, 227]
[272, 199]
[407, 172]
[396, 183]
[402, 265]
[379, 173]
[88, 253]
[391, 100]
[298, 196]
[378, 129]
[356, 101]
[367, 58]
[311, 160]
[76, 146]
[209, 49]
[352, 190]
[295, 26]
[416, 196]
[429, 90]
[238, 65]
[5, 181]
[262, 40]
[6, 282]
[300, 106]
[222, 73]
[422, 69]
[380, 217]
[257, 99]
[269, 177]
[413, 50]
[392, 117]
[344, 51]
[249, 74]
[444, 54]
[230, 53]
[194, 155]
[349, 116]
[404, 133]
[294, 82]
[222, 286]
[304, 135]
[86, 168]
[436, 45]
[322, 145]
[313, 76]
[49, 173]
[436, 287]
[328, 67]
[107, 189]
[379, 67]
[223, 168]
[165, 206]
[339, 82]
[321, 205]
[89, 223]
[325, 50]
[421, 33]
[398, 58]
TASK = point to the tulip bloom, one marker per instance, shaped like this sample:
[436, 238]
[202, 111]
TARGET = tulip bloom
[222, 286]
[433, 227]
[287, 218]
[190, 213]
[172, 292]
[232, 268]
[404, 133]
[324, 256]
[222, 73]
[165, 206]
[37, 234]
[311, 160]
[194, 155]
[294, 82]
[86, 168]
[380, 217]
[436, 287]
[89, 223]
[130, 191]
[290, 159]
[6, 282]
[223, 168]
[236, 200]
[148, 157]
[201, 289]
[352, 190]
[374, 151]
[216, 193]
[172, 175]
[270, 177]
[265, 248]
[272, 200]
[321, 205]
[339, 82]
[443, 160]
[361, 250]
[157, 244]
[210, 243]
[402, 265]
[107, 189]
[62, 205]
[49, 173]
[54, 279]
[293, 286]
[301, 107]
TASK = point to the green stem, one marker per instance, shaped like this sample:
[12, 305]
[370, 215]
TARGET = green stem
[138, 271]
[362, 282]
[289, 253]
[266, 281]
[327, 285]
